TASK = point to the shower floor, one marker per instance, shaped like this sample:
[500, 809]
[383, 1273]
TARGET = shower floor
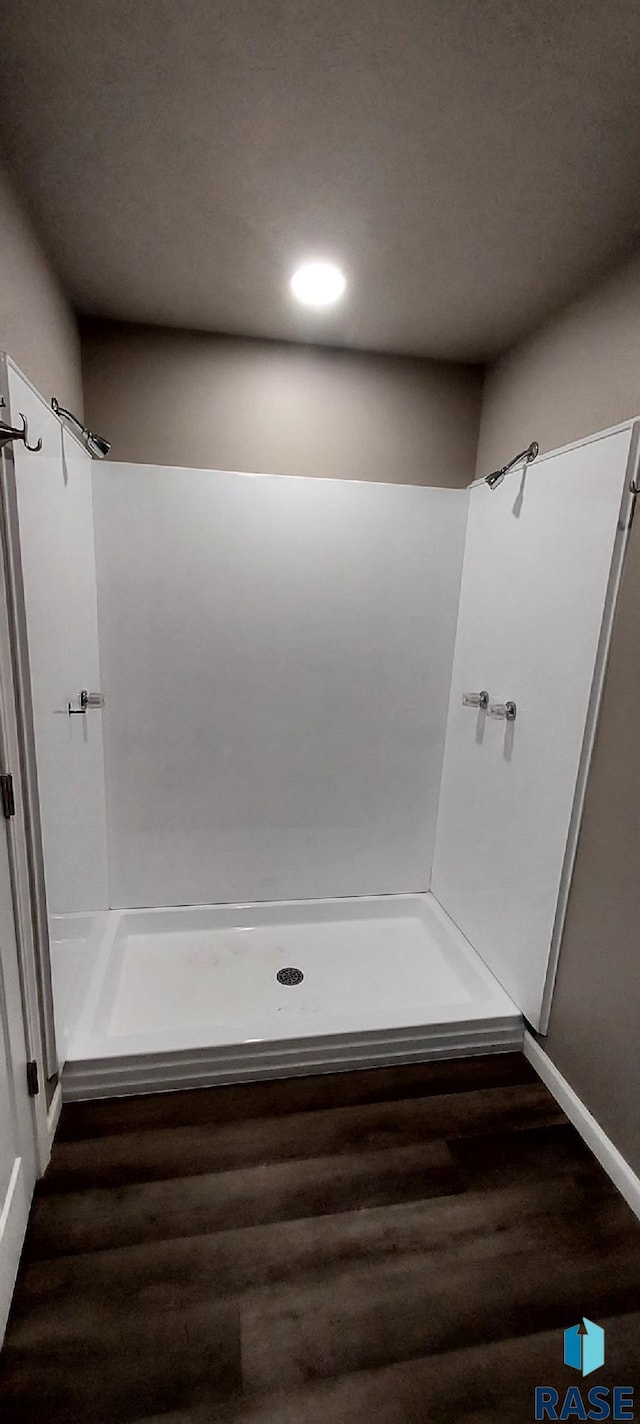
[190, 996]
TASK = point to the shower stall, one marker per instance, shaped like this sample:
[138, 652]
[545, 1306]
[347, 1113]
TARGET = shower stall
[305, 757]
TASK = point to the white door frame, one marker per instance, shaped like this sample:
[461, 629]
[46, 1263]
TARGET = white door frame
[14, 753]
[13, 585]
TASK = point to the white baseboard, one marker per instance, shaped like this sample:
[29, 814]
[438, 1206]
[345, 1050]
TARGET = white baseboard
[46, 1121]
[621, 1174]
[55, 1108]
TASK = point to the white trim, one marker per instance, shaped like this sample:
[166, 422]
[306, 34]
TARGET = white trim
[13, 1221]
[14, 727]
[43, 401]
[5, 1214]
[248, 1062]
[562, 449]
[53, 1114]
[607, 1154]
[42, 1028]
[447, 490]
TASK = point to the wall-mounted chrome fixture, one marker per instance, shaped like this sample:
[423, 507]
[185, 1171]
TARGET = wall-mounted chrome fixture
[496, 477]
[12, 432]
[507, 711]
[97, 446]
[86, 700]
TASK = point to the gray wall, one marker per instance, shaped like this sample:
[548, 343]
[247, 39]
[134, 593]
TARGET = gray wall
[37, 327]
[184, 398]
[578, 374]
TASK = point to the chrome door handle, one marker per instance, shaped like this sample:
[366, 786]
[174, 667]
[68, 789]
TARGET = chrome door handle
[476, 699]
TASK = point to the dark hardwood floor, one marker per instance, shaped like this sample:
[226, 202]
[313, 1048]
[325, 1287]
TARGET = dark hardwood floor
[383, 1247]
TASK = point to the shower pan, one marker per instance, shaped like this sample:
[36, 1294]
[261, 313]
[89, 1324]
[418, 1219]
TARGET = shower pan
[289, 834]
[190, 997]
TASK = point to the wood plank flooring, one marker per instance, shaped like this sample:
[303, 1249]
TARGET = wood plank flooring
[382, 1247]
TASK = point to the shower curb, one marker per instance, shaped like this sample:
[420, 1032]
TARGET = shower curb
[249, 1062]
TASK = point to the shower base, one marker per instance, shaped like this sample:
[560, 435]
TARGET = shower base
[190, 997]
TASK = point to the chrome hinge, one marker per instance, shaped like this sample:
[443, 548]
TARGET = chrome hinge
[33, 1080]
[8, 798]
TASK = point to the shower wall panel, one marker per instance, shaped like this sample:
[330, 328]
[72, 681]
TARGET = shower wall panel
[276, 655]
[541, 561]
[55, 518]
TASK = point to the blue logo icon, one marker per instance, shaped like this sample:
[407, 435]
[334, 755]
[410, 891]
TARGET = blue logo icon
[584, 1351]
[584, 1346]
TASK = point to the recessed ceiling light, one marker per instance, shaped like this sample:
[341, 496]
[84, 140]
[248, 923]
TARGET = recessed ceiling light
[318, 284]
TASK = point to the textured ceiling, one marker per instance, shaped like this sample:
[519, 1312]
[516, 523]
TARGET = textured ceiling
[471, 163]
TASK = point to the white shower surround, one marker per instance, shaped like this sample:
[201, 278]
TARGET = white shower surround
[357, 586]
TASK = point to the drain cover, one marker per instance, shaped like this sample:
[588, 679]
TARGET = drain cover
[289, 976]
